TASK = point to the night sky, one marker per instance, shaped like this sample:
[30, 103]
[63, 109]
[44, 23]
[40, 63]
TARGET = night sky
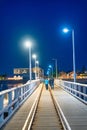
[42, 21]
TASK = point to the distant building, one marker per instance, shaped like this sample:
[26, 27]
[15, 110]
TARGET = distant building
[21, 71]
[63, 75]
[24, 72]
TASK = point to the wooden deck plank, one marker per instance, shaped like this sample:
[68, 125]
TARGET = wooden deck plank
[74, 110]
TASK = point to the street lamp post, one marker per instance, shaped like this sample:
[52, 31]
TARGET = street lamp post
[65, 30]
[73, 44]
[48, 73]
[52, 69]
[34, 56]
[55, 66]
[37, 62]
[28, 44]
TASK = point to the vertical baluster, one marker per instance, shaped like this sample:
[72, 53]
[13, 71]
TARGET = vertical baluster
[85, 92]
[75, 88]
[10, 102]
[20, 94]
[27, 89]
[70, 86]
[79, 88]
[82, 92]
[16, 97]
[24, 92]
[1, 107]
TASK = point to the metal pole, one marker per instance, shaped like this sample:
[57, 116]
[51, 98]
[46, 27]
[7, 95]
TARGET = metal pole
[35, 67]
[38, 69]
[43, 73]
[52, 71]
[55, 66]
[30, 73]
[37, 62]
[73, 44]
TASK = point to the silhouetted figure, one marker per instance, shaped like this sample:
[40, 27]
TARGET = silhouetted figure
[51, 82]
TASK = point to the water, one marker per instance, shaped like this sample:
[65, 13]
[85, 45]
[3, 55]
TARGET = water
[7, 84]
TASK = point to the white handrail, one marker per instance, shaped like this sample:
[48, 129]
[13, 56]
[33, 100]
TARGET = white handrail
[21, 93]
[76, 89]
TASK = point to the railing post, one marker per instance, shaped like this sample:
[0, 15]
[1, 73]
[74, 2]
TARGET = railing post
[23, 90]
[75, 88]
[10, 101]
[85, 92]
[16, 97]
[20, 94]
[28, 89]
[80, 90]
[1, 107]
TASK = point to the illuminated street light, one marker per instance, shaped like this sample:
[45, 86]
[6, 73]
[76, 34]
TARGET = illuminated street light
[50, 66]
[37, 62]
[28, 45]
[34, 57]
[55, 66]
[65, 30]
[48, 72]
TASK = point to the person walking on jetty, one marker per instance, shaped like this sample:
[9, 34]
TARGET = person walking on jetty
[46, 83]
[51, 83]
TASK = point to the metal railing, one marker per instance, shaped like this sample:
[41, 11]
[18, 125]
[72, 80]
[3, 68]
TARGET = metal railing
[12, 99]
[76, 89]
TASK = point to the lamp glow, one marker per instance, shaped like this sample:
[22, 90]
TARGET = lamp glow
[28, 44]
[65, 30]
[50, 66]
[34, 56]
[37, 62]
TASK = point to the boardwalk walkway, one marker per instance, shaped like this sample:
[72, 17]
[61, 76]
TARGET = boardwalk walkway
[46, 117]
[74, 110]
[19, 118]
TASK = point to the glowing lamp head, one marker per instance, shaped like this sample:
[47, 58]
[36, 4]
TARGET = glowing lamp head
[37, 62]
[47, 72]
[28, 44]
[50, 66]
[34, 56]
[65, 30]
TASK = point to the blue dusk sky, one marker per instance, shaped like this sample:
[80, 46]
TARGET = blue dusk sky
[42, 21]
